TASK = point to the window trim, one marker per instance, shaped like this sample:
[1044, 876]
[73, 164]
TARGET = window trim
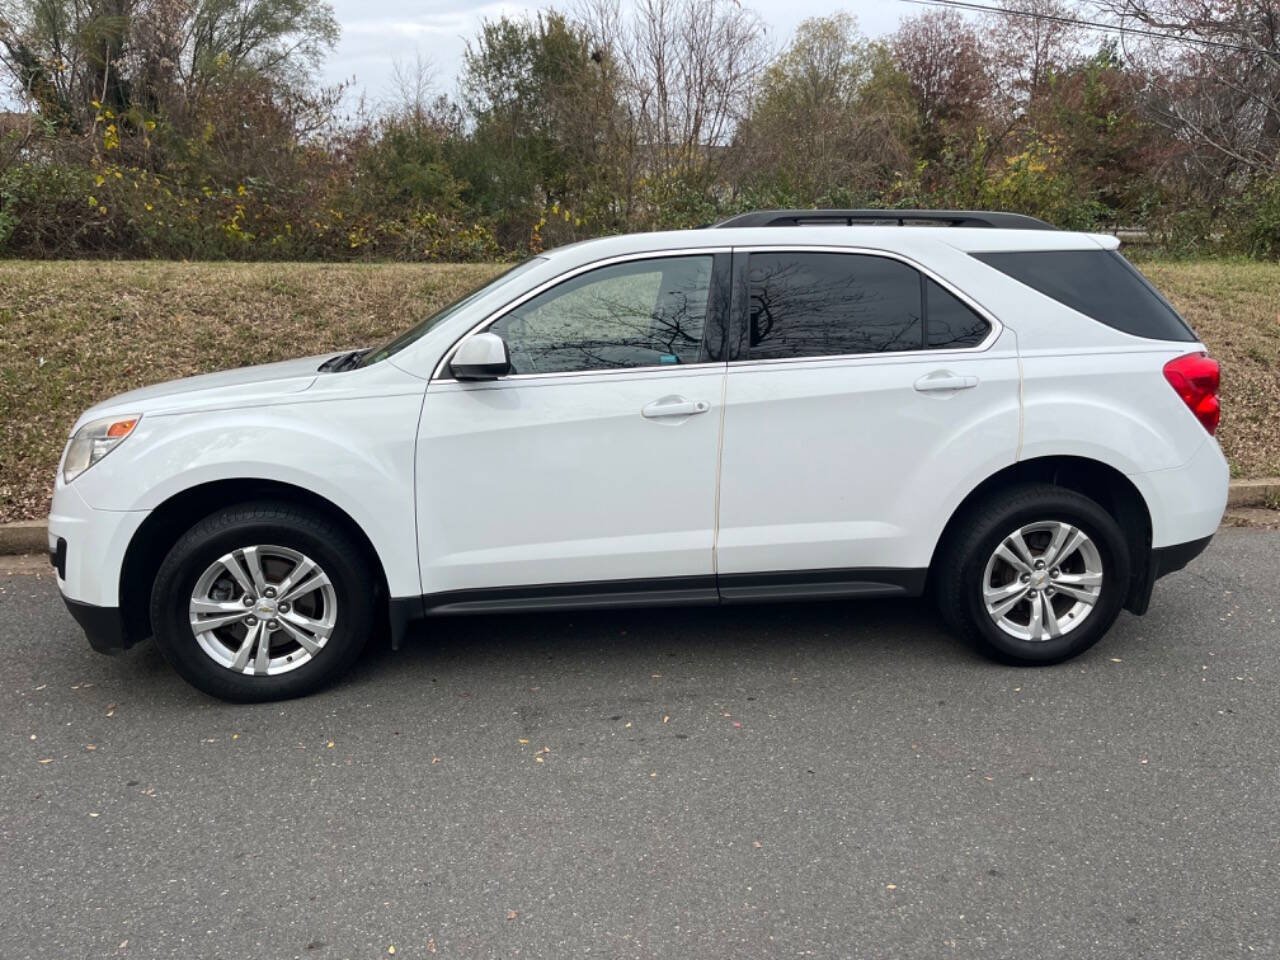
[439, 374]
[741, 320]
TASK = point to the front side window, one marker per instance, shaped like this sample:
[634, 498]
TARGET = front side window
[805, 304]
[642, 313]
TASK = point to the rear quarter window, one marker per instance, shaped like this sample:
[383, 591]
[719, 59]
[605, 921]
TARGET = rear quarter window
[1098, 283]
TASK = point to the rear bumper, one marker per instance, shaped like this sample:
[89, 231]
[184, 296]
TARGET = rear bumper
[1166, 560]
[103, 626]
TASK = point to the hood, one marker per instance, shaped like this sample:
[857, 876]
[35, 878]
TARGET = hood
[243, 387]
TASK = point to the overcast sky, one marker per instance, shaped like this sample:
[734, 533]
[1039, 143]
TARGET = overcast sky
[377, 33]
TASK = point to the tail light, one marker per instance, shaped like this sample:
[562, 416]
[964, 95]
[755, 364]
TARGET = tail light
[1195, 378]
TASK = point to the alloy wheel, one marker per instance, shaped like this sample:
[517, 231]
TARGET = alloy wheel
[263, 610]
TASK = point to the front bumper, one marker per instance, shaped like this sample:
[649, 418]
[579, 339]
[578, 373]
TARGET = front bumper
[87, 549]
[102, 626]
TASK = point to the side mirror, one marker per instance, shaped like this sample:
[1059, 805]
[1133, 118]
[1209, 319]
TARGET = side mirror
[482, 357]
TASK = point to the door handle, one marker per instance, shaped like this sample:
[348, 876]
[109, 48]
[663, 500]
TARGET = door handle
[945, 380]
[673, 407]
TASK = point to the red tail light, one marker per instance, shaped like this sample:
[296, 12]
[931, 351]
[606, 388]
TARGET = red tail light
[1195, 377]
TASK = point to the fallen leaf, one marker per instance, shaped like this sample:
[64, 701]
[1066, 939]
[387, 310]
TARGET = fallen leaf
[524, 739]
[91, 746]
[512, 914]
[1116, 660]
[666, 719]
[435, 759]
[431, 944]
[628, 723]
[891, 886]
[235, 736]
[47, 760]
[390, 949]
[95, 815]
[330, 744]
[756, 844]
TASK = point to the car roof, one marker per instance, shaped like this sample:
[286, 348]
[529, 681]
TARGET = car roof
[889, 238]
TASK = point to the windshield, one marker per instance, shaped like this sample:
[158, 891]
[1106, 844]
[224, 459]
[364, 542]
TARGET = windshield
[420, 329]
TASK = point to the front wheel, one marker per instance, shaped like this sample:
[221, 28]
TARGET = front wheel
[1035, 575]
[262, 601]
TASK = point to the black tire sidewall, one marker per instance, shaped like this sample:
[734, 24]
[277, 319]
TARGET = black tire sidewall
[238, 528]
[1067, 507]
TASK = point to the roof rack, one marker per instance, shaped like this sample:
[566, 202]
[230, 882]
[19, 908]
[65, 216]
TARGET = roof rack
[950, 218]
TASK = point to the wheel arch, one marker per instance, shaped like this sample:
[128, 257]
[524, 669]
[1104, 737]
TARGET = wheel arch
[1098, 481]
[153, 540]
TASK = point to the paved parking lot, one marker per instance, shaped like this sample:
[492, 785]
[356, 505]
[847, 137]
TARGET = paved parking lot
[834, 780]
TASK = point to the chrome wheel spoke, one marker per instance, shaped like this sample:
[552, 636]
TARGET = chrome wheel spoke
[231, 563]
[314, 628]
[296, 575]
[201, 624]
[1034, 626]
[305, 640]
[1078, 580]
[1013, 559]
[1076, 593]
[254, 563]
[246, 648]
[199, 605]
[1074, 539]
[1052, 627]
[315, 581]
[1001, 600]
[263, 660]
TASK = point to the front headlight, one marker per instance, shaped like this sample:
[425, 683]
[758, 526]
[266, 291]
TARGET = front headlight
[94, 441]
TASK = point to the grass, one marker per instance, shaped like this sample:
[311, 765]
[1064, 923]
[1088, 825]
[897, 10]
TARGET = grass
[73, 333]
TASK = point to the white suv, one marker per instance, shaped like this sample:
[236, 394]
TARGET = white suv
[793, 405]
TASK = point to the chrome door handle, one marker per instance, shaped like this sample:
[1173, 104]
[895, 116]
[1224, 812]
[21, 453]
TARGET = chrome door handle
[945, 380]
[673, 407]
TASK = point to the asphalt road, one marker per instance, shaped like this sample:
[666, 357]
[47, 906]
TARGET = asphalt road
[836, 780]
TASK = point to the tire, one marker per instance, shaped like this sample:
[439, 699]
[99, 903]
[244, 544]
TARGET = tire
[970, 575]
[262, 545]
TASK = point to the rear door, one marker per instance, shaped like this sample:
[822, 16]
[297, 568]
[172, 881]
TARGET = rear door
[864, 399]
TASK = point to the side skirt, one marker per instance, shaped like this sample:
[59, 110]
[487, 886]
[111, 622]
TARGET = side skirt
[661, 592]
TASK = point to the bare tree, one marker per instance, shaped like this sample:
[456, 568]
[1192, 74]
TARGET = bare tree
[688, 69]
[1215, 80]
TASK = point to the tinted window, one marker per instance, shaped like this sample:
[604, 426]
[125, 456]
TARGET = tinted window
[638, 314]
[828, 304]
[952, 325]
[1100, 284]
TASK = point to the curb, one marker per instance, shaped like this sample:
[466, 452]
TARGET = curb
[1254, 493]
[31, 536]
[24, 536]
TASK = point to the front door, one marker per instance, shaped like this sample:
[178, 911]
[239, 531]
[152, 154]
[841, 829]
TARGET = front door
[589, 474]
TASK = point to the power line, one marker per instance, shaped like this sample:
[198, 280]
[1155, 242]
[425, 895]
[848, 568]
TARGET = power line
[1091, 24]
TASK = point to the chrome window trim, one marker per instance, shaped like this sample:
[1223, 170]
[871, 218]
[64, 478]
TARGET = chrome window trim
[987, 343]
[437, 374]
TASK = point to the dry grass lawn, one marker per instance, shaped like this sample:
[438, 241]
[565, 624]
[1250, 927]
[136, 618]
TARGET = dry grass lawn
[73, 333]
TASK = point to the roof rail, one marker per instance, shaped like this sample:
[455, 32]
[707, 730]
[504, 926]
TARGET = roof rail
[951, 218]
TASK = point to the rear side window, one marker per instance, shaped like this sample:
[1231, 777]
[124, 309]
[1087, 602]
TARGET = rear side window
[952, 325]
[830, 304]
[1100, 284]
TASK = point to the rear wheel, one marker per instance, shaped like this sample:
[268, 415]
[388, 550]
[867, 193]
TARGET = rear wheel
[263, 601]
[1035, 575]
